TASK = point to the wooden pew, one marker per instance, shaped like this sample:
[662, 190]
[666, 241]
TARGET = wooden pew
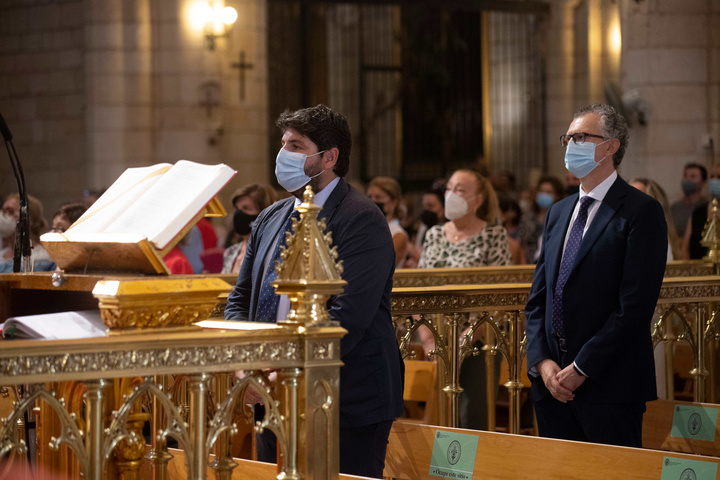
[246, 469]
[657, 429]
[504, 456]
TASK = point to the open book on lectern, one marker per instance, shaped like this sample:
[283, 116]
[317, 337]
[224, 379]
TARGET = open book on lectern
[140, 218]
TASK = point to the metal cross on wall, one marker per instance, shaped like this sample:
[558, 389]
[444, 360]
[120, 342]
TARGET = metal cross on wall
[242, 66]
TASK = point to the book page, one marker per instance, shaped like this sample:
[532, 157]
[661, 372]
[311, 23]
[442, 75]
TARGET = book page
[162, 211]
[116, 200]
[55, 326]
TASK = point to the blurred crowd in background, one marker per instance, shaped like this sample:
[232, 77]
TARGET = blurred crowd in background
[469, 219]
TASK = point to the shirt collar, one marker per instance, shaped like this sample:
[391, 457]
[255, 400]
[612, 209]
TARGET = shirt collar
[598, 193]
[322, 196]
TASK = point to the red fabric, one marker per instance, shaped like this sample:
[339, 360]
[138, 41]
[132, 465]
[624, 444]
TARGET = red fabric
[177, 262]
[207, 231]
[212, 260]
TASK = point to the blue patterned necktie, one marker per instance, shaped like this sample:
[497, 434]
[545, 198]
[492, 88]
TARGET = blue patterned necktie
[571, 250]
[267, 300]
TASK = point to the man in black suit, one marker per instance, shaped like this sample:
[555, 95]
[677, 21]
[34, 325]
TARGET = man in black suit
[596, 284]
[316, 151]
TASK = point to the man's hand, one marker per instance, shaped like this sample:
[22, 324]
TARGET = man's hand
[569, 378]
[549, 371]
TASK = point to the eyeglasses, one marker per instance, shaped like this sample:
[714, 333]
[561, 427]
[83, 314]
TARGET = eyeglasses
[578, 137]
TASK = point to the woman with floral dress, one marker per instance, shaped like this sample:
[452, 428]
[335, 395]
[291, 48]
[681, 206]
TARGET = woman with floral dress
[472, 237]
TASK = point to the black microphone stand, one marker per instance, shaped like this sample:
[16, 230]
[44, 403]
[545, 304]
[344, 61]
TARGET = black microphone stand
[23, 249]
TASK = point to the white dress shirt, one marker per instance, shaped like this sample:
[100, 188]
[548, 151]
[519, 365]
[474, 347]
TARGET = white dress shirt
[598, 194]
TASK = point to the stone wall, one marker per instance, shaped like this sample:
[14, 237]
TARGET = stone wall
[42, 97]
[669, 61]
[671, 57]
[90, 88]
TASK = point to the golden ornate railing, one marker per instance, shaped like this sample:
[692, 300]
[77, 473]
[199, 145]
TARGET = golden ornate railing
[152, 339]
[307, 361]
[687, 312]
[446, 311]
[417, 277]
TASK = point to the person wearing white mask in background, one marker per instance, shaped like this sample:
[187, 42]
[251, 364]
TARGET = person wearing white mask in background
[549, 190]
[472, 236]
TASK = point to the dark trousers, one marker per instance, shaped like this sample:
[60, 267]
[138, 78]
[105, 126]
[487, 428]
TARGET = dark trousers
[609, 423]
[473, 405]
[362, 449]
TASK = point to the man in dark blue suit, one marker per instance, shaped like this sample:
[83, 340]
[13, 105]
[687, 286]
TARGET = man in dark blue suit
[596, 284]
[316, 151]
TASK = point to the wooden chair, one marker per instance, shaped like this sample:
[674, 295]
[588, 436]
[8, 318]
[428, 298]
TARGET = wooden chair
[421, 387]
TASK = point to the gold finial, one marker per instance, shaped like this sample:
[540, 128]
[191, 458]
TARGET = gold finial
[309, 196]
[308, 271]
[711, 235]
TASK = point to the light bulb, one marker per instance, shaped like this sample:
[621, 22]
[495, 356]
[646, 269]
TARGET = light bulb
[204, 12]
[229, 15]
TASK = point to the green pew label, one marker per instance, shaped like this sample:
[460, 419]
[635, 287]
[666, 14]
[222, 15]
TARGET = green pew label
[697, 423]
[683, 469]
[453, 455]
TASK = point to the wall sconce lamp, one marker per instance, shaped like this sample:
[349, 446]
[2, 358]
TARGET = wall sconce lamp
[217, 21]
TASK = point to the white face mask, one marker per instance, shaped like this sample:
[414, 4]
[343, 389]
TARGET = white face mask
[7, 224]
[455, 206]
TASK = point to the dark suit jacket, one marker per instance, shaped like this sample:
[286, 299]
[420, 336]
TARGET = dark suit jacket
[371, 381]
[609, 297]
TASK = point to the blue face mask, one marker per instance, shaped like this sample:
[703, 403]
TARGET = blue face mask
[580, 158]
[714, 187]
[290, 169]
[544, 200]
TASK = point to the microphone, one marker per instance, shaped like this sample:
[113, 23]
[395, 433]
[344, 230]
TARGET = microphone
[23, 247]
[4, 130]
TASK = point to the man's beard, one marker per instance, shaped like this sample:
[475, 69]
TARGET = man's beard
[314, 183]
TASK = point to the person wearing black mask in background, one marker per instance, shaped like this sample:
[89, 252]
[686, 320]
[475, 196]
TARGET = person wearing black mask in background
[248, 201]
[433, 204]
[387, 195]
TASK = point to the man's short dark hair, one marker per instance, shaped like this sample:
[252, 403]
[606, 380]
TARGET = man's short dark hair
[325, 128]
[612, 124]
[703, 170]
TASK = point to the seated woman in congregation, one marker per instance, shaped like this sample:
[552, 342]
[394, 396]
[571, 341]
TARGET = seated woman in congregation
[653, 189]
[248, 201]
[10, 216]
[472, 236]
[65, 216]
[386, 193]
[433, 213]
